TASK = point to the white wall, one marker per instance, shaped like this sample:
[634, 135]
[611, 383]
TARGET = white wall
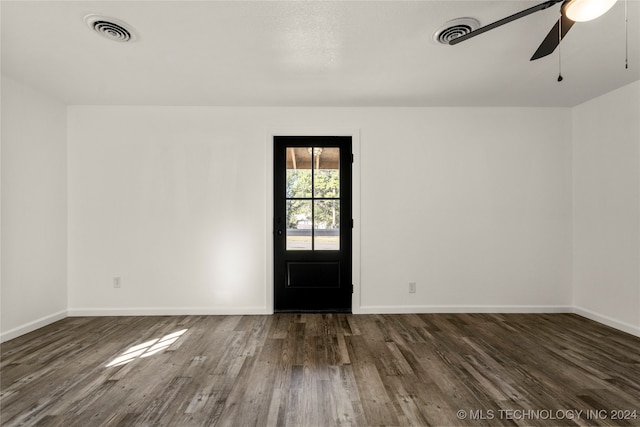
[474, 204]
[172, 200]
[606, 213]
[34, 210]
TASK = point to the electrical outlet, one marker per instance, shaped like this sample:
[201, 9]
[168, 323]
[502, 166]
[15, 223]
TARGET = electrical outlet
[116, 282]
[412, 287]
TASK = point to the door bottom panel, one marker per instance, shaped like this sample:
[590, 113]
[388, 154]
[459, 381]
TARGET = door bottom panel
[313, 275]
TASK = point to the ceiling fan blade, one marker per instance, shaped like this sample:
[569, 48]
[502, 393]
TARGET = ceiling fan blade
[503, 21]
[552, 40]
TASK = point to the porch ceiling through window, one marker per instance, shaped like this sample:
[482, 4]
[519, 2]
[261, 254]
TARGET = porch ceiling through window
[300, 158]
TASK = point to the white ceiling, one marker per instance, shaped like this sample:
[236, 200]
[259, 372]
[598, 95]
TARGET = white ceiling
[312, 53]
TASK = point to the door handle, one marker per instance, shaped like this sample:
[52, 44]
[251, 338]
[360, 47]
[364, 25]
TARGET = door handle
[279, 232]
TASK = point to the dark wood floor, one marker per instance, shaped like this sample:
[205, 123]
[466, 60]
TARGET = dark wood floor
[322, 370]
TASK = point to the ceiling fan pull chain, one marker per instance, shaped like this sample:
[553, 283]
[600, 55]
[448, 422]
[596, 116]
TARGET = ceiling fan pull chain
[560, 78]
[626, 36]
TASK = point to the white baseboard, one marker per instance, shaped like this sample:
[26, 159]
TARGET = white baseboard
[606, 320]
[167, 311]
[407, 309]
[32, 326]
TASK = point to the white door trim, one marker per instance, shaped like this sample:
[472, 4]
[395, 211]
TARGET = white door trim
[355, 192]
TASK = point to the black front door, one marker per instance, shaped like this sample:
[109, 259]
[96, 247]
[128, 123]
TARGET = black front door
[312, 224]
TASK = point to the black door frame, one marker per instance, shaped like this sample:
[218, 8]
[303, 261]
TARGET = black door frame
[348, 231]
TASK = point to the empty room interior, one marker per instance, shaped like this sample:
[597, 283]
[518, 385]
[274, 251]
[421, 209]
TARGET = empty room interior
[314, 213]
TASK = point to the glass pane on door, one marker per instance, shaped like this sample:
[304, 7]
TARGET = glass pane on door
[299, 172]
[326, 225]
[299, 225]
[326, 172]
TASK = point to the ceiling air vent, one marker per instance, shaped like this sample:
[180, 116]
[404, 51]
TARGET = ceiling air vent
[454, 29]
[110, 28]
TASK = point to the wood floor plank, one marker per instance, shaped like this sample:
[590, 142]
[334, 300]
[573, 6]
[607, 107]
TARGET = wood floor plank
[321, 370]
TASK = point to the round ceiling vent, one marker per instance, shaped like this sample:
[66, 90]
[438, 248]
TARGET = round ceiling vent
[454, 29]
[110, 28]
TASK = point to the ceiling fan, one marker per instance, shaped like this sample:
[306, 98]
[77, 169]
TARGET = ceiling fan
[571, 11]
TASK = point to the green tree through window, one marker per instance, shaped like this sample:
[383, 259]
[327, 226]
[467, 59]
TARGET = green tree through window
[326, 185]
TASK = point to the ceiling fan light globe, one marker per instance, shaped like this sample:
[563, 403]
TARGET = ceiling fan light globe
[586, 10]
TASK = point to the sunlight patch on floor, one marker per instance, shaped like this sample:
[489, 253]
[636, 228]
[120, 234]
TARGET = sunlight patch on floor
[146, 349]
